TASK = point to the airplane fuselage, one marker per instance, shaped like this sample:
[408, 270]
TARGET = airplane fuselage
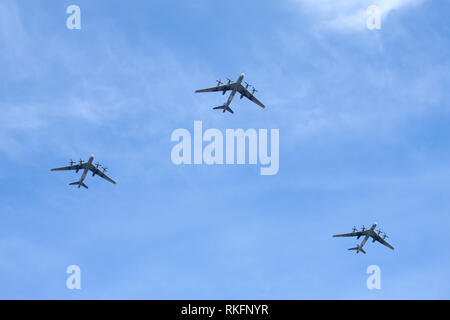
[86, 170]
[370, 233]
[232, 94]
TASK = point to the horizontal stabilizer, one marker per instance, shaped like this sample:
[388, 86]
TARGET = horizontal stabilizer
[79, 184]
[224, 108]
[357, 249]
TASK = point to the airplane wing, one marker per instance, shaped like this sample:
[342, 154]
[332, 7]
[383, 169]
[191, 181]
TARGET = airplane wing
[225, 87]
[74, 167]
[351, 234]
[383, 242]
[249, 96]
[101, 174]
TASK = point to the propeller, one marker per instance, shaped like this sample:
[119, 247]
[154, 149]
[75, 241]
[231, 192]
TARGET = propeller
[354, 229]
[71, 162]
[378, 231]
[229, 81]
[385, 236]
[218, 82]
[104, 169]
[247, 85]
[254, 90]
[363, 228]
[97, 165]
[81, 161]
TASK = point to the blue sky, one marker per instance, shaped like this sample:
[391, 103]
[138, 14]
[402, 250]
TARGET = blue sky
[363, 118]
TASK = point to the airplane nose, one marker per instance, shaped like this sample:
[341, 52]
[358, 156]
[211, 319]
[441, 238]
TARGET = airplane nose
[92, 156]
[242, 74]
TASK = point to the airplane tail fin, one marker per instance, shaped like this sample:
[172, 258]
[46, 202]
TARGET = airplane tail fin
[357, 249]
[224, 108]
[79, 184]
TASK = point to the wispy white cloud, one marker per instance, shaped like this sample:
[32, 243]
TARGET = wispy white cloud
[349, 15]
[122, 83]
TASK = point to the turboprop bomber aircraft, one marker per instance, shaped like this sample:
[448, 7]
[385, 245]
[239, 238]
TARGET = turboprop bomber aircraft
[369, 233]
[233, 87]
[86, 167]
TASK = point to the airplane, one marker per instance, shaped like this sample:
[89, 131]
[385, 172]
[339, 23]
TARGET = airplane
[369, 233]
[233, 87]
[86, 167]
